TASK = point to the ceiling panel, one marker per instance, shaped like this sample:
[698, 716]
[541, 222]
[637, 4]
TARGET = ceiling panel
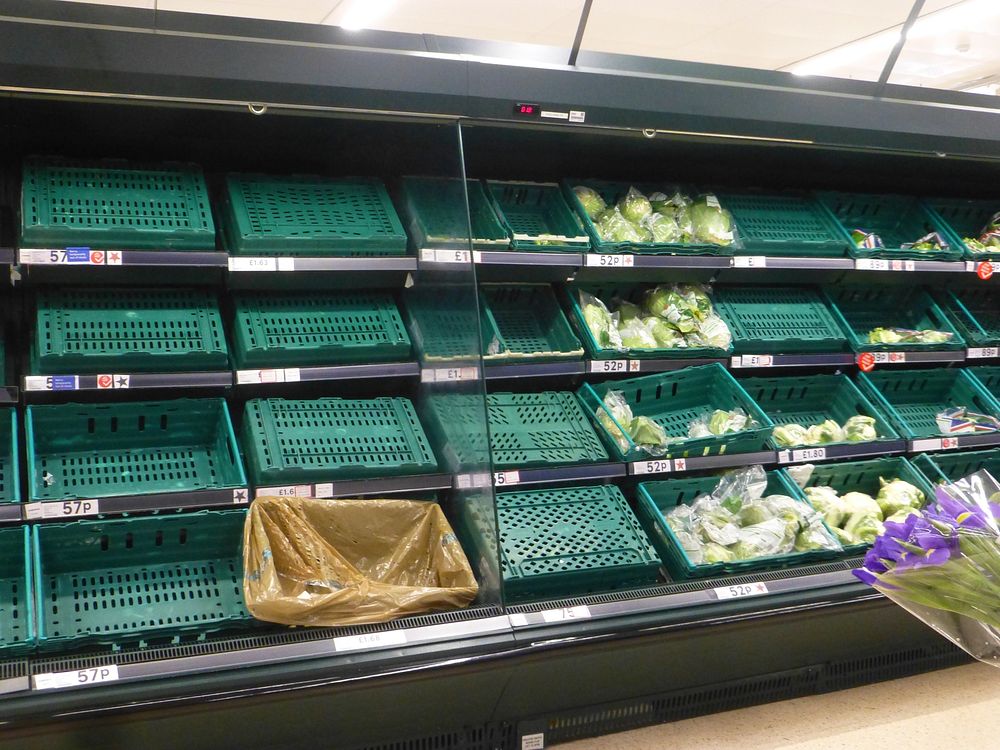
[302, 11]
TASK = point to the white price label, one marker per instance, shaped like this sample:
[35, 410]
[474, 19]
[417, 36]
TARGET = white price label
[949, 443]
[809, 454]
[889, 357]
[609, 260]
[656, 466]
[290, 490]
[52, 382]
[739, 590]
[90, 676]
[62, 509]
[432, 255]
[902, 265]
[566, 613]
[750, 261]
[533, 741]
[753, 360]
[369, 641]
[609, 365]
[506, 478]
[322, 490]
[931, 444]
[983, 352]
[71, 256]
[871, 264]
[253, 264]
[448, 374]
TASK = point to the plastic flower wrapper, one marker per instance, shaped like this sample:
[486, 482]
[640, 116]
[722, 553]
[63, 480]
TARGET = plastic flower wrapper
[860, 429]
[787, 435]
[897, 495]
[613, 227]
[616, 406]
[720, 422]
[865, 239]
[636, 335]
[825, 432]
[663, 228]
[710, 221]
[600, 322]
[944, 566]
[591, 200]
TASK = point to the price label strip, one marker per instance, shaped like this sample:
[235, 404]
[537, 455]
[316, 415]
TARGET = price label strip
[63, 509]
[261, 264]
[982, 352]
[70, 256]
[252, 377]
[435, 255]
[741, 590]
[615, 365]
[291, 490]
[506, 478]
[658, 466]
[750, 261]
[753, 360]
[448, 374]
[609, 260]
[77, 678]
[934, 444]
[369, 641]
[566, 613]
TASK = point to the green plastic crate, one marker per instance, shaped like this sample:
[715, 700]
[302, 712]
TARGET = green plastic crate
[974, 312]
[913, 398]
[436, 211]
[536, 217]
[326, 439]
[785, 223]
[10, 464]
[279, 329]
[82, 330]
[988, 376]
[17, 625]
[964, 218]
[629, 293]
[674, 400]
[861, 309]
[115, 204]
[112, 450]
[611, 192]
[779, 320]
[942, 468]
[812, 399]
[863, 476]
[306, 215]
[571, 541]
[456, 422]
[129, 579]
[657, 499]
[527, 325]
[897, 219]
[445, 325]
[540, 429]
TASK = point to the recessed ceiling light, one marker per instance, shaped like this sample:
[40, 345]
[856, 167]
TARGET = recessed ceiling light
[362, 13]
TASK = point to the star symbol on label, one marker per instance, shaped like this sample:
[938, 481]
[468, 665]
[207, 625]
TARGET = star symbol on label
[114, 258]
[239, 496]
[122, 381]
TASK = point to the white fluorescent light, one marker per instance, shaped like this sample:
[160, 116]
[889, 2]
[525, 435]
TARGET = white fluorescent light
[362, 13]
[848, 53]
[967, 15]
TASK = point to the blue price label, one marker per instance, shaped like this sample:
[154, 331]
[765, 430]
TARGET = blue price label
[78, 255]
[64, 382]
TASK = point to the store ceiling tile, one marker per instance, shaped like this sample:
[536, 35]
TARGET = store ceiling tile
[147, 4]
[302, 11]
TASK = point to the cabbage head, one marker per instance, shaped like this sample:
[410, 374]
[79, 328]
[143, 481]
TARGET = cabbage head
[897, 495]
[635, 206]
[860, 429]
[710, 222]
[591, 200]
[825, 432]
[789, 434]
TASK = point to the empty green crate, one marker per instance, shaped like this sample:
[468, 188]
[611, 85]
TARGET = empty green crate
[571, 541]
[114, 204]
[127, 330]
[436, 214]
[674, 400]
[540, 429]
[657, 499]
[633, 293]
[897, 219]
[988, 376]
[444, 323]
[942, 468]
[327, 439]
[536, 217]
[17, 625]
[812, 399]
[10, 465]
[527, 324]
[779, 319]
[112, 450]
[912, 399]
[975, 314]
[963, 218]
[129, 579]
[611, 192]
[305, 215]
[861, 309]
[863, 476]
[457, 423]
[281, 329]
[784, 224]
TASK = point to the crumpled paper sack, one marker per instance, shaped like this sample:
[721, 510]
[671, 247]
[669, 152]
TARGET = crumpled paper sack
[347, 562]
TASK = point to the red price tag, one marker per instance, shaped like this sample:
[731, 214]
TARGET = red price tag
[866, 362]
[984, 270]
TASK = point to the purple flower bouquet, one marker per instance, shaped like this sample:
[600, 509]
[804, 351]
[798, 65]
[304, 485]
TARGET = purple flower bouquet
[942, 564]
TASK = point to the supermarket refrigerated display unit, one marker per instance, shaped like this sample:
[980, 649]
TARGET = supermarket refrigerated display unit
[508, 673]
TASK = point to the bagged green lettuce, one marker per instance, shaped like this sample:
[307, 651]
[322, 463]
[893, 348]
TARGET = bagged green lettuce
[635, 206]
[591, 201]
[711, 223]
[612, 226]
[617, 407]
[635, 334]
[788, 435]
[602, 324]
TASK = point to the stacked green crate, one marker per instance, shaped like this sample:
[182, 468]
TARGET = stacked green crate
[526, 324]
[974, 313]
[941, 468]
[964, 218]
[779, 319]
[281, 329]
[536, 217]
[785, 223]
[17, 616]
[435, 208]
[87, 330]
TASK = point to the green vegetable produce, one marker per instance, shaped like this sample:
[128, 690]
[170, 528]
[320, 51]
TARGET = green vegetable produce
[645, 431]
[627, 311]
[600, 322]
[897, 495]
[750, 515]
[884, 336]
[859, 503]
[828, 502]
[825, 432]
[900, 516]
[860, 429]
[720, 422]
[713, 332]
[907, 336]
[863, 527]
[663, 228]
[635, 335]
[666, 336]
[613, 227]
[635, 206]
[710, 222]
[716, 553]
[591, 201]
[811, 538]
[789, 434]
[843, 537]
[617, 407]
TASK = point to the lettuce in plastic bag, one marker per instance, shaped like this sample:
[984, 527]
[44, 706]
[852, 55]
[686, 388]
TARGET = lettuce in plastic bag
[636, 335]
[635, 206]
[663, 228]
[618, 407]
[827, 431]
[613, 227]
[720, 422]
[710, 221]
[591, 200]
[600, 322]
[897, 495]
[646, 432]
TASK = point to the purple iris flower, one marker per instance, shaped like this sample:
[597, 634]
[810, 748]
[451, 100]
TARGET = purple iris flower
[865, 576]
[954, 511]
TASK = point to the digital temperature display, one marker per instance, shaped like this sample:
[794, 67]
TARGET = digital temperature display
[526, 110]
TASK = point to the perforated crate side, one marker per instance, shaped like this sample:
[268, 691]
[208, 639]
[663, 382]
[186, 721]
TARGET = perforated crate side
[436, 209]
[537, 217]
[974, 313]
[529, 323]
[962, 218]
[17, 625]
[939, 468]
[784, 224]
[779, 319]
